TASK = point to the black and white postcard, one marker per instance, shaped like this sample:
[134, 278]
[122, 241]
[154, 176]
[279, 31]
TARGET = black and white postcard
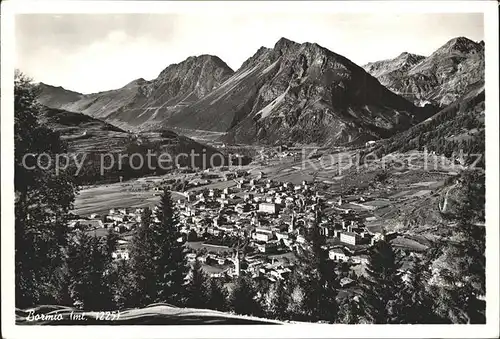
[249, 169]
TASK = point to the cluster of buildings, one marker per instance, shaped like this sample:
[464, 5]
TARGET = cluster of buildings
[270, 218]
[234, 264]
[121, 220]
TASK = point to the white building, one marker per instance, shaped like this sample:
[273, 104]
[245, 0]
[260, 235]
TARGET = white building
[361, 259]
[337, 254]
[117, 217]
[120, 255]
[269, 208]
[350, 238]
[262, 236]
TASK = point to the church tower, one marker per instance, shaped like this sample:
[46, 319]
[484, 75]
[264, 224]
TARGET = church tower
[236, 261]
[291, 227]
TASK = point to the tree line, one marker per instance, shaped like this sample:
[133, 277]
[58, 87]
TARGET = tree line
[464, 119]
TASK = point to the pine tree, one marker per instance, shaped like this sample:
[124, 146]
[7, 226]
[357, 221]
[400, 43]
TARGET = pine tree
[296, 307]
[380, 289]
[349, 311]
[116, 272]
[197, 289]
[43, 200]
[318, 281]
[462, 280]
[123, 285]
[217, 296]
[244, 297]
[277, 301]
[416, 300]
[169, 259]
[88, 266]
[111, 242]
[142, 254]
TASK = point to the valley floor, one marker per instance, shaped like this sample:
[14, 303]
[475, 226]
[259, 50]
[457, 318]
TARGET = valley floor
[388, 193]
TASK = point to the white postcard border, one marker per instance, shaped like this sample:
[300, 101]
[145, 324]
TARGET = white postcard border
[491, 329]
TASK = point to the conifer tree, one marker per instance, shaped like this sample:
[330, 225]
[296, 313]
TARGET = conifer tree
[169, 257]
[197, 288]
[217, 296]
[111, 242]
[317, 278]
[88, 266]
[119, 276]
[416, 300]
[380, 289]
[123, 285]
[277, 301]
[244, 297]
[459, 264]
[142, 262]
[349, 311]
[461, 281]
[43, 199]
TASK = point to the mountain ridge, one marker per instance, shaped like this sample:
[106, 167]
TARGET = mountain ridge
[278, 77]
[292, 92]
[438, 79]
[141, 100]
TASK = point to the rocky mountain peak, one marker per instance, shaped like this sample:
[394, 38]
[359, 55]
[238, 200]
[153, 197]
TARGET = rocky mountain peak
[43, 85]
[409, 58]
[136, 82]
[385, 70]
[460, 45]
[300, 92]
[438, 79]
[142, 101]
[284, 44]
[197, 61]
[52, 95]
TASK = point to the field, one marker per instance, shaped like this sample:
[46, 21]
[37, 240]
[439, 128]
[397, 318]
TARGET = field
[196, 245]
[199, 135]
[101, 198]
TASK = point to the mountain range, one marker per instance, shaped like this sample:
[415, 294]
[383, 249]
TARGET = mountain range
[439, 79]
[298, 93]
[140, 101]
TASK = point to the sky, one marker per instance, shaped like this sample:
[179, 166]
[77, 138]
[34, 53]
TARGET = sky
[89, 53]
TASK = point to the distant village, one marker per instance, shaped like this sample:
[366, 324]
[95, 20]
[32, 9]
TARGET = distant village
[254, 226]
